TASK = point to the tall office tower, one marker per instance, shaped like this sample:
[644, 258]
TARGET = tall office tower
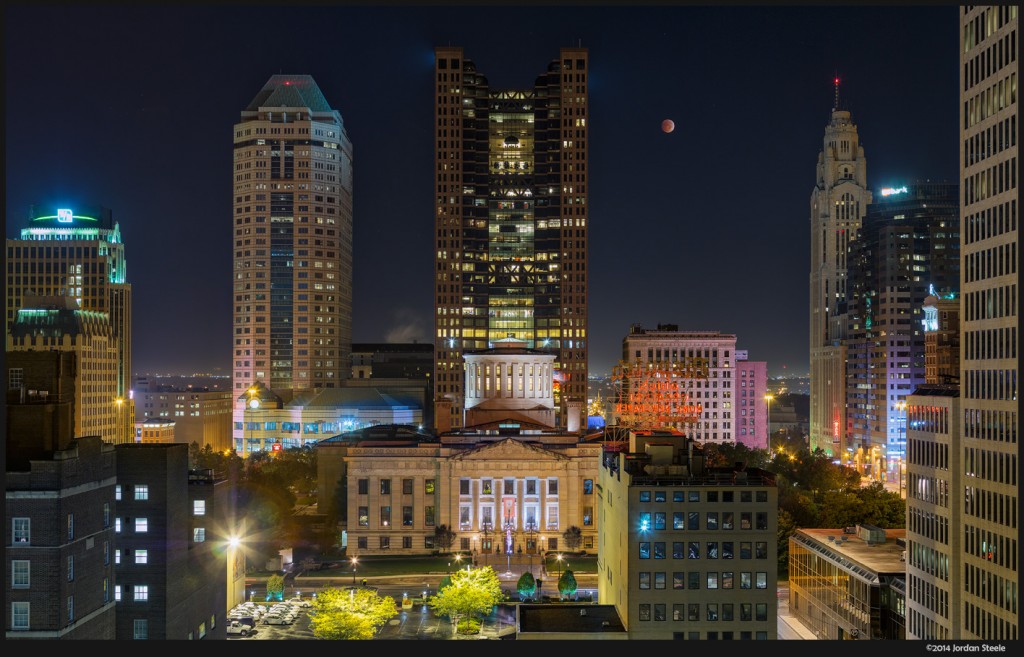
[989, 124]
[292, 240]
[511, 222]
[933, 472]
[838, 203]
[907, 246]
[77, 253]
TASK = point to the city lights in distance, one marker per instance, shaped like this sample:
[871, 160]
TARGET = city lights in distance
[889, 191]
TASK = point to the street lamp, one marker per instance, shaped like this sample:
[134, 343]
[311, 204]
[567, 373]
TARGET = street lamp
[354, 562]
[254, 403]
[558, 558]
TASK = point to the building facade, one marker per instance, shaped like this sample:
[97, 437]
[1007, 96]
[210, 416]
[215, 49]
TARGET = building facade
[200, 415]
[686, 551]
[934, 543]
[941, 326]
[155, 430]
[701, 373]
[292, 250]
[508, 483]
[751, 404]
[989, 127]
[269, 419]
[848, 583]
[60, 542]
[907, 246]
[50, 324]
[511, 220]
[173, 525]
[839, 201]
[77, 254]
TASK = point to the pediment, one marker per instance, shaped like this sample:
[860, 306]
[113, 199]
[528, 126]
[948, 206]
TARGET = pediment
[510, 449]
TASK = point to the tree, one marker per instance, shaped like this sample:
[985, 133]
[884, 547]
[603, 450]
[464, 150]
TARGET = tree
[275, 587]
[567, 583]
[526, 586]
[573, 536]
[350, 614]
[473, 592]
[444, 537]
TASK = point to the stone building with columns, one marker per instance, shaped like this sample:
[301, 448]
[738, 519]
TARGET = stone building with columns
[508, 482]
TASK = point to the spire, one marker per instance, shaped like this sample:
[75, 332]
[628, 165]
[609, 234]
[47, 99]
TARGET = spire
[835, 82]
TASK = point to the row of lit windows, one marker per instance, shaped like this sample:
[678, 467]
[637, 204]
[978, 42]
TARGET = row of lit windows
[692, 612]
[713, 580]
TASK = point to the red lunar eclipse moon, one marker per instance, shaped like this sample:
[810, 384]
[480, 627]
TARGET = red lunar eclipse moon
[668, 125]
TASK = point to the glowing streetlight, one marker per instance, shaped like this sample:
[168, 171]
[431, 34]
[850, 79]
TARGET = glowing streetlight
[253, 404]
[354, 562]
[558, 558]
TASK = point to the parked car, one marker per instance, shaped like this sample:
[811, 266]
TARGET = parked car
[303, 603]
[275, 618]
[240, 628]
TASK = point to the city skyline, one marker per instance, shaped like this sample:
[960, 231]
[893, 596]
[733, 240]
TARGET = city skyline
[705, 226]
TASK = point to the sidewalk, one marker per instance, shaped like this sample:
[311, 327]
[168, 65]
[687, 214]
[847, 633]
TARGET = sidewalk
[792, 621]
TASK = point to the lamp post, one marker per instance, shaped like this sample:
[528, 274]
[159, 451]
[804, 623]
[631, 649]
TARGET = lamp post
[254, 403]
[558, 558]
[354, 562]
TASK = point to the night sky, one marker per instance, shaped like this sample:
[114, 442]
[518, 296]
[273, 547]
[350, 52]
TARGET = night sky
[706, 227]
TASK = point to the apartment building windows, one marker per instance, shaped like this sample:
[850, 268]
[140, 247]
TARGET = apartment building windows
[15, 378]
[199, 507]
[141, 492]
[141, 525]
[20, 573]
[19, 615]
[21, 530]
[141, 556]
[140, 628]
[140, 593]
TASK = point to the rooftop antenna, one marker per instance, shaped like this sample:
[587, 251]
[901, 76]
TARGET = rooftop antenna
[835, 81]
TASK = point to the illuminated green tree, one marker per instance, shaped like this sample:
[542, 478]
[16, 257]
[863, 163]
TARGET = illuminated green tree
[350, 614]
[472, 592]
[275, 587]
[526, 586]
[567, 583]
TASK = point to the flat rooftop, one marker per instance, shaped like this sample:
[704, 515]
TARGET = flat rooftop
[573, 618]
[878, 558]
